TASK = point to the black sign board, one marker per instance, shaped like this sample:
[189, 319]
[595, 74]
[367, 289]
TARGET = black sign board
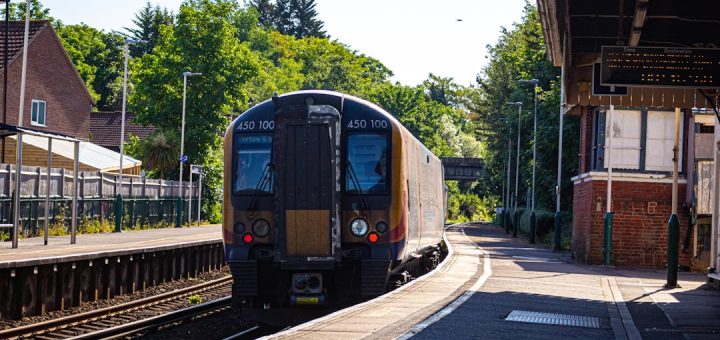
[660, 67]
[463, 169]
[602, 90]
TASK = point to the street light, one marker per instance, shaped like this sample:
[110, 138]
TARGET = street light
[517, 169]
[118, 197]
[185, 74]
[506, 208]
[5, 70]
[532, 205]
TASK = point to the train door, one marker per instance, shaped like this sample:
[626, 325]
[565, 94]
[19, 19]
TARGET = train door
[306, 197]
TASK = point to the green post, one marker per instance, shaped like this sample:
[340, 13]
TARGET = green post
[517, 224]
[178, 218]
[672, 256]
[118, 213]
[532, 227]
[506, 221]
[558, 225]
[607, 251]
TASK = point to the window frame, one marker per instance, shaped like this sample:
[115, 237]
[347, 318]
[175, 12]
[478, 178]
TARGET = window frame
[36, 121]
[388, 162]
[598, 146]
[234, 166]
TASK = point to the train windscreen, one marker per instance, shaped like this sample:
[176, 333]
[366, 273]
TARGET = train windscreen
[366, 169]
[253, 173]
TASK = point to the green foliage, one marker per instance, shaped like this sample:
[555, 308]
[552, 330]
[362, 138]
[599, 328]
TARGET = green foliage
[98, 58]
[195, 299]
[4, 236]
[57, 227]
[520, 54]
[37, 11]
[88, 225]
[297, 18]
[160, 151]
[147, 28]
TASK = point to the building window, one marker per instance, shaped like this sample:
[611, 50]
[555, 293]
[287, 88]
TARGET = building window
[625, 132]
[37, 116]
[661, 140]
[642, 140]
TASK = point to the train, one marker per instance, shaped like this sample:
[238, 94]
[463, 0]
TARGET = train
[327, 197]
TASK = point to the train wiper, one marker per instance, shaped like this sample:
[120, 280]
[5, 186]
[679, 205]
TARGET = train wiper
[356, 184]
[263, 181]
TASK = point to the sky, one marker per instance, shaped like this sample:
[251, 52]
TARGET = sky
[413, 38]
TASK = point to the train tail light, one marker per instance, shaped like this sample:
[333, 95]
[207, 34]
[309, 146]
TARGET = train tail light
[248, 238]
[373, 237]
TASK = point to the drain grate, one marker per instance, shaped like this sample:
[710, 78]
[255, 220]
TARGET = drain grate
[554, 319]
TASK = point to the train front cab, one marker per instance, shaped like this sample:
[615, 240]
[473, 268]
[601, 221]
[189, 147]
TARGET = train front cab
[309, 214]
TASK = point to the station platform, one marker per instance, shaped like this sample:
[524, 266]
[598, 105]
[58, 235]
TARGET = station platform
[32, 251]
[496, 287]
[36, 279]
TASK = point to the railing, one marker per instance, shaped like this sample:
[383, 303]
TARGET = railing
[146, 202]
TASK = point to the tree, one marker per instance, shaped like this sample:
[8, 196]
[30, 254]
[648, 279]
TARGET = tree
[98, 58]
[161, 152]
[37, 11]
[290, 17]
[147, 28]
[520, 54]
[204, 39]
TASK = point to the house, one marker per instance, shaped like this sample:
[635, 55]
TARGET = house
[105, 129]
[57, 103]
[56, 99]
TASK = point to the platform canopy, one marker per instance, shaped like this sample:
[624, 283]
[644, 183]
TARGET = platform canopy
[576, 30]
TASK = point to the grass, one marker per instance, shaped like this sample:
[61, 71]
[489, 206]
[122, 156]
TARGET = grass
[195, 299]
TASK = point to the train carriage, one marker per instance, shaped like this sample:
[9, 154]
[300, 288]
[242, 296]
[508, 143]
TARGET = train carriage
[326, 196]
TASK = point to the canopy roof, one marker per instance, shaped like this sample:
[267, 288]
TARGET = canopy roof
[575, 31]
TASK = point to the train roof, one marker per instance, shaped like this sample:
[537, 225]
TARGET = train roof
[323, 97]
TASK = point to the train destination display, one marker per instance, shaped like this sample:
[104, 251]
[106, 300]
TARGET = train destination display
[660, 66]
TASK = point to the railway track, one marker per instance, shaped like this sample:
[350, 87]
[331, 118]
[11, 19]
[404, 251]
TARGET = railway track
[131, 317]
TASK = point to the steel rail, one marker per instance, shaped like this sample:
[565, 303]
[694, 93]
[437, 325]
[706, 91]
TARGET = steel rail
[82, 318]
[157, 321]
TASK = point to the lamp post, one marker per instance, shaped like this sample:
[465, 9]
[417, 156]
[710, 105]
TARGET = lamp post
[516, 219]
[118, 198]
[185, 74]
[532, 204]
[5, 72]
[506, 212]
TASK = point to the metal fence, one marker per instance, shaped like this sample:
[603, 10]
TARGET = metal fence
[145, 201]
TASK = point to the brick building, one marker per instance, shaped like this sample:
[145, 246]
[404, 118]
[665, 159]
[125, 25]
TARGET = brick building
[56, 99]
[56, 102]
[105, 129]
[575, 34]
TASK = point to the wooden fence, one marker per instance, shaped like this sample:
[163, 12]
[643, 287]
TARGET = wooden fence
[145, 201]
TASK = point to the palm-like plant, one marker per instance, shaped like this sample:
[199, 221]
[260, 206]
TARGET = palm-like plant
[161, 152]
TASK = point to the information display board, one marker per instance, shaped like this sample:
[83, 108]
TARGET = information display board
[660, 67]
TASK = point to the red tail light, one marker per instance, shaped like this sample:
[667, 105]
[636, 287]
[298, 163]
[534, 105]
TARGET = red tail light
[373, 237]
[247, 238]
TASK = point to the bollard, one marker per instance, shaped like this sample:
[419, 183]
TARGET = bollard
[672, 255]
[118, 213]
[517, 224]
[558, 225]
[532, 227]
[178, 218]
[607, 252]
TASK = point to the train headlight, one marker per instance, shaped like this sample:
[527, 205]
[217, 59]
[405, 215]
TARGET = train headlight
[359, 227]
[239, 228]
[261, 228]
[381, 227]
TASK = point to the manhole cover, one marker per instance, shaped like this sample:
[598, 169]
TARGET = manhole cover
[554, 319]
